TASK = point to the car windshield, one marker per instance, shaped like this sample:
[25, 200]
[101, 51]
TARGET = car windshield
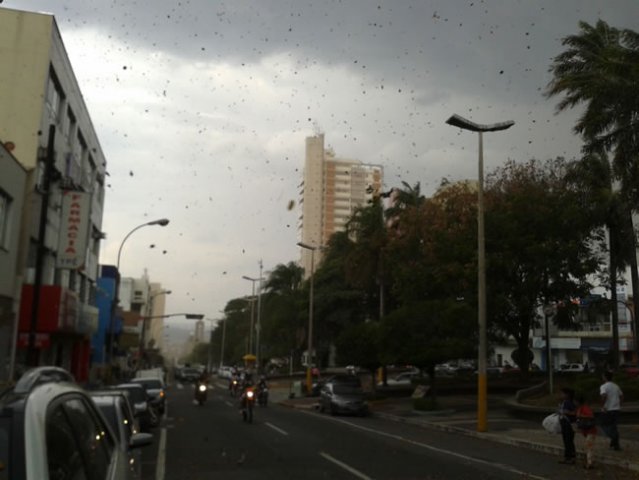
[433, 204]
[136, 393]
[340, 389]
[107, 407]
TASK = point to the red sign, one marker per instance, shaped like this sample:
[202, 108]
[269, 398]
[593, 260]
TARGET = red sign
[74, 229]
[42, 340]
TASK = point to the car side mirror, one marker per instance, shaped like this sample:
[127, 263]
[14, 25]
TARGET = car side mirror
[140, 440]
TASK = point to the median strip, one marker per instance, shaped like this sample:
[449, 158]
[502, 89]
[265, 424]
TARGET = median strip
[346, 467]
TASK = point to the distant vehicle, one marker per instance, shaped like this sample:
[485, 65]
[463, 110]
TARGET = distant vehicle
[49, 426]
[150, 373]
[190, 374]
[225, 372]
[343, 379]
[404, 379]
[571, 368]
[116, 410]
[352, 369]
[445, 368]
[630, 369]
[139, 399]
[156, 391]
[337, 398]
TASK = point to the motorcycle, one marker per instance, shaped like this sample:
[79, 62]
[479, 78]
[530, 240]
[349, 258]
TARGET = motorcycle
[262, 396]
[248, 401]
[201, 391]
[233, 386]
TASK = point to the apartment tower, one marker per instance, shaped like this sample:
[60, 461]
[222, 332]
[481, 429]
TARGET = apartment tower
[331, 191]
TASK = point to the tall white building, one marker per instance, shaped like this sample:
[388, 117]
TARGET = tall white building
[331, 191]
[38, 89]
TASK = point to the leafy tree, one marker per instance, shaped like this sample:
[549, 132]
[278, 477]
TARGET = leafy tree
[599, 69]
[427, 333]
[359, 344]
[540, 242]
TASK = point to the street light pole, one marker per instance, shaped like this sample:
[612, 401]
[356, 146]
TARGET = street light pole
[252, 280]
[258, 327]
[163, 222]
[482, 353]
[142, 345]
[223, 340]
[309, 361]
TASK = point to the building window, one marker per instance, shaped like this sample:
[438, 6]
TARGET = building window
[5, 214]
[54, 96]
[70, 127]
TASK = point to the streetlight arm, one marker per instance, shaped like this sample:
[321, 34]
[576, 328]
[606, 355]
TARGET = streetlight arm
[163, 222]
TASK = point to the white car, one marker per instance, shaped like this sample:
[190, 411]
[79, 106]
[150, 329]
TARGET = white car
[50, 427]
[571, 368]
[401, 380]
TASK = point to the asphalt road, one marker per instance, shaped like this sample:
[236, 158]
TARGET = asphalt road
[211, 442]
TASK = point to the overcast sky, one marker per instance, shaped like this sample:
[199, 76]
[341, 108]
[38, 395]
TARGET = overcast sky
[202, 108]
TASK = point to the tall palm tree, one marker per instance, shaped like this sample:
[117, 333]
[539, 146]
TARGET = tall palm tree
[593, 174]
[600, 70]
[285, 279]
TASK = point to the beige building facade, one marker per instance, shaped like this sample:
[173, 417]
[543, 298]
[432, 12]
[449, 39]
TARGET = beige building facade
[331, 191]
[38, 89]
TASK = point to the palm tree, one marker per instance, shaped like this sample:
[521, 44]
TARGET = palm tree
[285, 279]
[600, 70]
[593, 174]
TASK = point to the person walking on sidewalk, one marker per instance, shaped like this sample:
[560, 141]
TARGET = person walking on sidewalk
[588, 428]
[568, 416]
[611, 397]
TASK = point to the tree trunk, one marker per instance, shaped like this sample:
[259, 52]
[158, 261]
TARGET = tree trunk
[634, 275]
[612, 241]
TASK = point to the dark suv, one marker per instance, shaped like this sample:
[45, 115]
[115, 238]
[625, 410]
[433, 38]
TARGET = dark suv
[66, 435]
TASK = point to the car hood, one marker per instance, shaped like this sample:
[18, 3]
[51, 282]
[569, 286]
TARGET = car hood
[348, 398]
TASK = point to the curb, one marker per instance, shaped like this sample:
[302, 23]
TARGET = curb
[540, 447]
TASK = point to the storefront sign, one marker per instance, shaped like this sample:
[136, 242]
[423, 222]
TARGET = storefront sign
[74, 229]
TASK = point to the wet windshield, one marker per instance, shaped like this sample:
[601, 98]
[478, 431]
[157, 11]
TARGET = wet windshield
[432, 205]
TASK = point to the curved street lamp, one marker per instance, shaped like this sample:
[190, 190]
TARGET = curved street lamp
[482, 388]
[162, 222]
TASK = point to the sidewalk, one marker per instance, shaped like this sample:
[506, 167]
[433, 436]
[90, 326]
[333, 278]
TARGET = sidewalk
[458, 415]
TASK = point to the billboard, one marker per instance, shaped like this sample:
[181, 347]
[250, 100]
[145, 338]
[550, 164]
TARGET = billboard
[74, 229]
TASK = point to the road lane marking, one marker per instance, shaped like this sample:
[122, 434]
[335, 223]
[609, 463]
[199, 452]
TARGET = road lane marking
[159, 469]
[228, 403]
[277, 429]
[346, 467]
[500, 466]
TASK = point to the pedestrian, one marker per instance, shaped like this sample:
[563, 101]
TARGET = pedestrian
[588, 428]
[611, 398]
[567, 416]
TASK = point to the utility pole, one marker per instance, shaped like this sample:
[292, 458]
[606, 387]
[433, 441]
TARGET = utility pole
[49, 166]
[259, 321]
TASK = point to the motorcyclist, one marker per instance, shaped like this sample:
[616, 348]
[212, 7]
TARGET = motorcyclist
[262, 390]
[234, 383]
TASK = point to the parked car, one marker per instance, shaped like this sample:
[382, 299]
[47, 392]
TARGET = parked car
[338, 397]
[224, 372]
[117, 411]
[156, 391]
[139, 399]
[345, 379]
[404, 379]
[66, 436]
[571, 368]
[445, 369]
[630, 369]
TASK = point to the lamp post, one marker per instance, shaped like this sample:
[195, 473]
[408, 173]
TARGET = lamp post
[149, 315]
[482, 387]
[309, 361]
[252, 280]
[223, 339]
[163, 222]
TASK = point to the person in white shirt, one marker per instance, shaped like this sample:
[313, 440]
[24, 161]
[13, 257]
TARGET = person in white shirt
[611, 397]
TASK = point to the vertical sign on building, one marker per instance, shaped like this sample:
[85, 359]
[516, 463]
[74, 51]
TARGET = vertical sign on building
[74, 229]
